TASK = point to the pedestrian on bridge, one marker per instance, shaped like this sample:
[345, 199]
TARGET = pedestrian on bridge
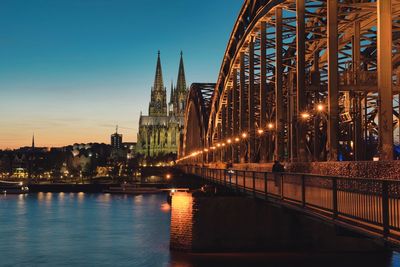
[277, 169]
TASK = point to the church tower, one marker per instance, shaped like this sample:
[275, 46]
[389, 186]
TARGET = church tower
[178, 95]
[158, 102]
[180, 92]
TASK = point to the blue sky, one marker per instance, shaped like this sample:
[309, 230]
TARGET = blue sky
[70, 70]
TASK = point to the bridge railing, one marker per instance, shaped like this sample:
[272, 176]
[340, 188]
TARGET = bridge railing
[368, 204]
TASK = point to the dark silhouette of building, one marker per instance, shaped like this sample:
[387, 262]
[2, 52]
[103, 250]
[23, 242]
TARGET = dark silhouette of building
[116, 139]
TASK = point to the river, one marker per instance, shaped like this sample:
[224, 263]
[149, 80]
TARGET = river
[78, 229]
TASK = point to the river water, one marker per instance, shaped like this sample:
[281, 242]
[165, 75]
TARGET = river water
[68, 229]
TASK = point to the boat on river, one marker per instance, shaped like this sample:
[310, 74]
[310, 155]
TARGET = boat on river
[7, 187]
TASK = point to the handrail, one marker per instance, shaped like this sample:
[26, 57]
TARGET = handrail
[308, 174]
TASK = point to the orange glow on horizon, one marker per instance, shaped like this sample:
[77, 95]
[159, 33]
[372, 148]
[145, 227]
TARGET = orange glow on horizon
[56, 137]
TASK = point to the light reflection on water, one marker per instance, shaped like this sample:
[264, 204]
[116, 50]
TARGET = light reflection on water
[65, 229]
[62, 229]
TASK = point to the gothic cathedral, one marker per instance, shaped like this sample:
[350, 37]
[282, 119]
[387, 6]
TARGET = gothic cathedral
[160, 132]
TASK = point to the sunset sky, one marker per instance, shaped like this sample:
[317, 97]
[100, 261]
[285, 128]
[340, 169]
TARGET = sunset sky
[70, 70]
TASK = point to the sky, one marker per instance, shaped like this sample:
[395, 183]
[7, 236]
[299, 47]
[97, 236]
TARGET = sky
[70, 70]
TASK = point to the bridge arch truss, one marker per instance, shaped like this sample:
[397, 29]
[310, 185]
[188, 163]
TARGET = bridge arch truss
[304, 80]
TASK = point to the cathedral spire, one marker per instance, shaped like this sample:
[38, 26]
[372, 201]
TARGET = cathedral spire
[33, 141]
[181, 82]
[158, 79]
[158, 102]
[171, 97]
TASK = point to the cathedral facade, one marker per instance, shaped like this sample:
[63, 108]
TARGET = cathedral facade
[160, 132]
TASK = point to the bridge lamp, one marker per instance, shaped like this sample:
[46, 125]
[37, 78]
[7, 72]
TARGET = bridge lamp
[320, 107]
[260, 131]
[244, 135]
[229, 141]
[305, 115]
[223, 144]
[270, 126]
[218, 145]
[205, 150]
[213, 147]
[237, 139]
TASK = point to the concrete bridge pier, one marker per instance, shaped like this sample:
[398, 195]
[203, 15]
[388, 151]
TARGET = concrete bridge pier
[232, 223]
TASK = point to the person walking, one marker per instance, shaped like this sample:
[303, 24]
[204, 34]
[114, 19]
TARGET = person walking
[277, 169]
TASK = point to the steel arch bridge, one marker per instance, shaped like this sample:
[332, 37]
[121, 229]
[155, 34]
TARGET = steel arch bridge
[302, 80]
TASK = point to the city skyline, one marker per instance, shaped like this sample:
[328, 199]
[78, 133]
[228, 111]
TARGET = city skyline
[72, 80]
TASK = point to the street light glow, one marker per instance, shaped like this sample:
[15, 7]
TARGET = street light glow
[320, 107]
[305, 115]
[260, 131]
[270, 126]
[244, 135]
[237, 139]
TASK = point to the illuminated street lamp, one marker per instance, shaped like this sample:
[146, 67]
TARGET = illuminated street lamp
[260, 131]
[270, 126]
[237, 139]
[320, 107]
[305, 115]
[244, 135]
[229, 141]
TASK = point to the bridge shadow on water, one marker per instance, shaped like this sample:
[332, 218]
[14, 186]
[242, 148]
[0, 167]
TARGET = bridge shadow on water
[282, 259]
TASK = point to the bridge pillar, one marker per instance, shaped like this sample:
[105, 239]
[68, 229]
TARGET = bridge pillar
[229, 123]
[279, 119]
[333, 80]
[235, 114]
[251, 104]
[357, 127]
[384, 48]
[301, 83]
[202, 223]
[242, 107]
[224, 126]
[316, 81]
[263, 90]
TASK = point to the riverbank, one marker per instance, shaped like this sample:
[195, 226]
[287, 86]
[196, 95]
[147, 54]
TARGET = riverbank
[85, 188]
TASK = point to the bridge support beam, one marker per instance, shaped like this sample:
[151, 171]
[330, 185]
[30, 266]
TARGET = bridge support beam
[316, 81]
[263, 90]
[300, 68]
[251, 103]
[224, 127]
[333, 80]
[357, 121]
[279, 119]
[242, 107]
[229, 123]
[384, 48]
[235, 116]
